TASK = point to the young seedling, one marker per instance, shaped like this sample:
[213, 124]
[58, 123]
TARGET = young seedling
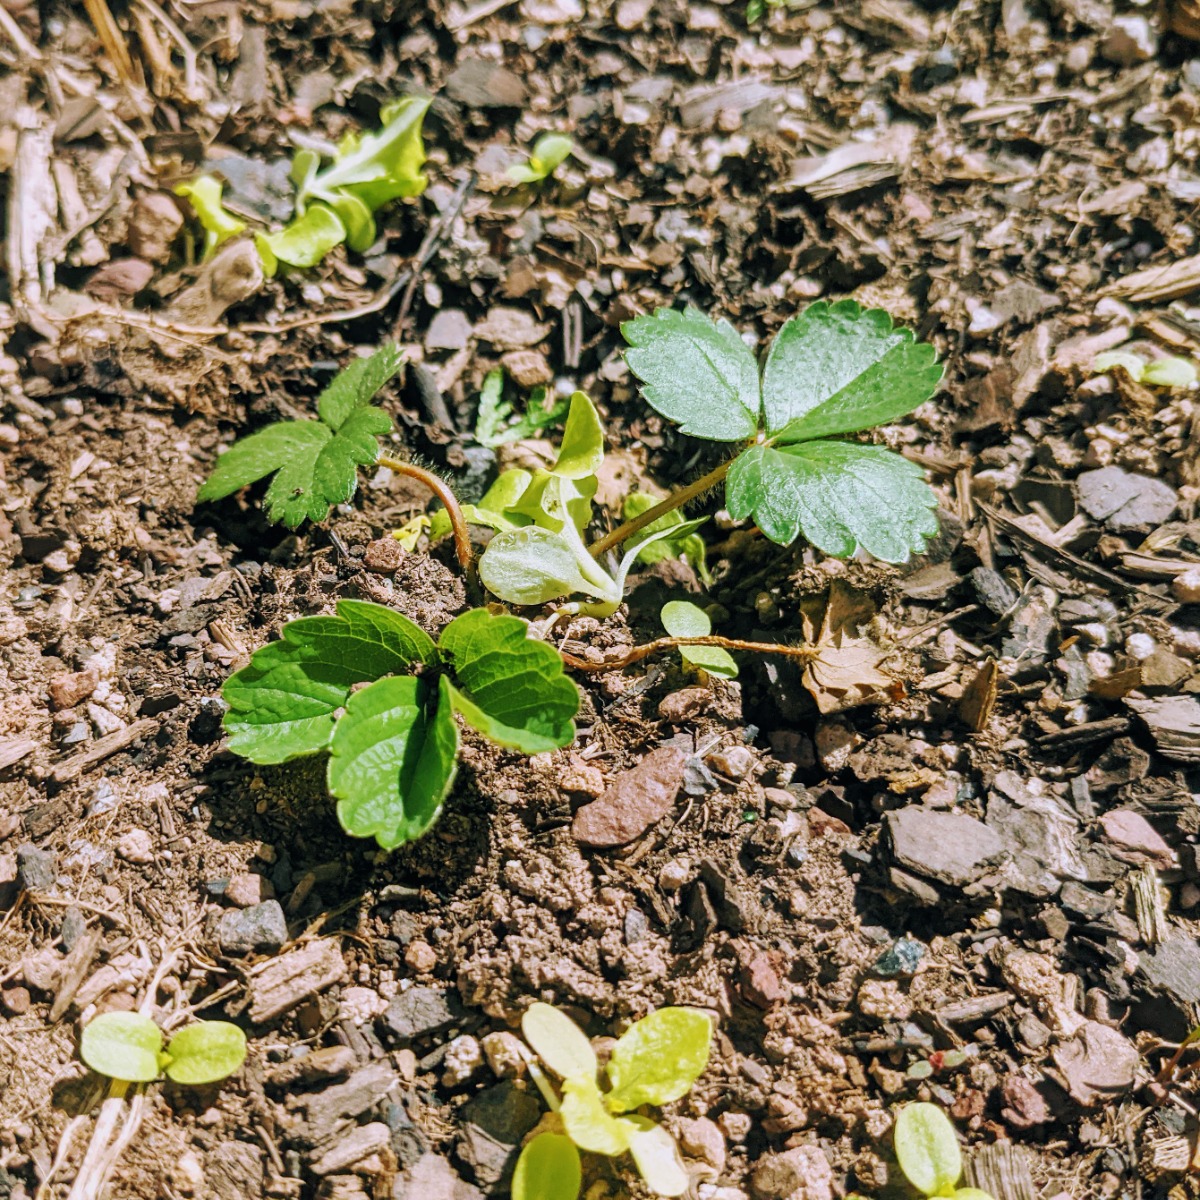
[549, 152]
[928, 1154]
[676, 544]
[314, 464]
[393, 745]
[495, 423]
[656, 1061]
[682, 619]
[127, 1046]
[1170, 372]
[334, 204]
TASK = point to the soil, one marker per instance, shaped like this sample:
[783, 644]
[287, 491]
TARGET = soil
[980, 888]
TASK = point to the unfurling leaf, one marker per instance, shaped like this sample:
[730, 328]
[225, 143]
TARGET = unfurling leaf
[507, 686]
[392, 759]
[205, 1052]
[927, 1149]
[548, 1169]
[683, 619]
[677, 543]
[284, 703]
[559, 1042]
[304, 242]
[122, 1045]
[588, 1122]
[204, 195]
[658, 1059]
[314, 463]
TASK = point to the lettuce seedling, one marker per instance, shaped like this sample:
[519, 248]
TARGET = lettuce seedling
[204, 195]
[675, 544]
[549, 152]
[928, 1154]
[656, 1061]
[832, 370]
[682, 619]
[129, 1047]
[393, 745]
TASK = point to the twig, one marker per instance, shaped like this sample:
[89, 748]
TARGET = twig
[184, 46]
[670, 504]
[803, 653]
[10, 27]
[458, 523]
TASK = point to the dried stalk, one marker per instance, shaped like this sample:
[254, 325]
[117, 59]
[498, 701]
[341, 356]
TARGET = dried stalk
[801, 653]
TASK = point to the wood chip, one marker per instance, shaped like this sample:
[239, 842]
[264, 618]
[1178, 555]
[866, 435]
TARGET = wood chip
[283, 982]
[98, 751]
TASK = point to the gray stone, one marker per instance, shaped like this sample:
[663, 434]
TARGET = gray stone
[261, 929]
[36, 869]
[1174, 966]
[1123, 501]
[993, 591]
[493, 1126]
[1032, 628]
[450, 329]
[433, 1178]
[234, 1171]
[318, 1117]
[950, 848]
[422, 1012]
[357, 1144]
[74, 926]
[478, 83]
[1099, 1064]
[1174, 723]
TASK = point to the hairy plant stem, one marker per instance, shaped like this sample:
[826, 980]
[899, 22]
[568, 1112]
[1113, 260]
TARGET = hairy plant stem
[675, 500]
[803, 653]
[458, 524]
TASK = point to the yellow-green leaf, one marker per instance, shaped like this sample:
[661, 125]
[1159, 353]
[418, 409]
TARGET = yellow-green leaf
[657, 1059]
[927, 1149]
[588, 1123]
[559, 1042]
[548, 1169]
[122, 1045]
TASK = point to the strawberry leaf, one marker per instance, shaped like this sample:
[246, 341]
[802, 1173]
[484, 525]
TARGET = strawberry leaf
[695, 371]
[393, 758]
[840, 495]
[283, 705]
[837, 368]
[509, 687]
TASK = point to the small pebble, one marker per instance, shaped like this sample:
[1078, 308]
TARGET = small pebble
[464, 1056]
[1187, 587]
[674, 874]
[136, 846]
[15, 1000]
[246, 889]
[1140, 646]
[505, 1055]
[704, 1140]
[421, 957]
[735, 762]
[735, 1126]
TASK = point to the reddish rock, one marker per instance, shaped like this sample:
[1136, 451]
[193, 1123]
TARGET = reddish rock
[1022, 1105]
[247, 888]
[1133, 839]
[759, 980]
[822, 824]
[633, 802]
[66, 691]
[16, 1000]
[684, 705]
[120, 278]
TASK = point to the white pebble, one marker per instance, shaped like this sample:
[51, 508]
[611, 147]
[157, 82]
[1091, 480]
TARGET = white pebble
[1140, 646]
[464, 1057]
[1187, 586]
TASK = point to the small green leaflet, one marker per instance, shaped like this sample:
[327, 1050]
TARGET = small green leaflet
[204, 195]
[205, 1052]
[283, 704]
[548, 152]
[658, 1059]
[314, 463]
[304, 242]
[834, 369]
[495, 424]
[927, 1149]
[676, 543]
[393, 745]
[548, 1169]
[683, 619]
[122, 1045]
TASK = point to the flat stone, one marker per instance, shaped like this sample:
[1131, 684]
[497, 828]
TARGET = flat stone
[136, 846]
[634, 801]
[508, 328]
[478, 83]
[1174, 724]
[450, 329]
[234, 1171]
[993, 591]
[1125, 502]
[1099, 1064]
[800, 1174]
[1174, 966]
[951, 848]
[319, 1117]
[422, 1012]
[260, 929]
[359, 1143]
[1133, 839]
[494, 1123]
[36, 869]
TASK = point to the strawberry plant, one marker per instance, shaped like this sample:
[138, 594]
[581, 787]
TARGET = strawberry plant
[656, 1061]
[393, 744]
[127, 1046]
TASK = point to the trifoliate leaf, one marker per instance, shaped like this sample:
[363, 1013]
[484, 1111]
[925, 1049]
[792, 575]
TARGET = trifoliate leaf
[205, 1052]
[927, 1149]
[508, 686]
[695, 371]
[204, 195]
[676, 544]
[283, 704]
[392, 759]
[838, 368]
[534, 566]
[657, 1059]
[683, 619]
[559, 1042]
[303, 243]
[588, 1123]
[840, 495]
[548, 1169]
[315, 462]
[122, 1045]
[657, 1158]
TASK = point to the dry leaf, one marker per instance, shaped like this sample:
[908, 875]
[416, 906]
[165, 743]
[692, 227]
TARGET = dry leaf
[979, 697]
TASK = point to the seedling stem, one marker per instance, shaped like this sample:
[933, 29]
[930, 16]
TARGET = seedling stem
[458, 525]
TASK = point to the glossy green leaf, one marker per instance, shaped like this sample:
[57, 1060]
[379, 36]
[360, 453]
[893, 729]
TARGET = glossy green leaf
[303, 243]
[392, 759]
[683, 619]
[122, 1045]
[839, 495]
[548, 1169]
[204, 195]
[588, 1123]
[205, 1052]
[927, 1149]
[315, 463]
[582, 449]
[283, 704]
[657, 1158]
[508, 686]
[838, 368]
[534, 566]
[658, 1059]
[677, 543]
[695, 371]
[559, 1042]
